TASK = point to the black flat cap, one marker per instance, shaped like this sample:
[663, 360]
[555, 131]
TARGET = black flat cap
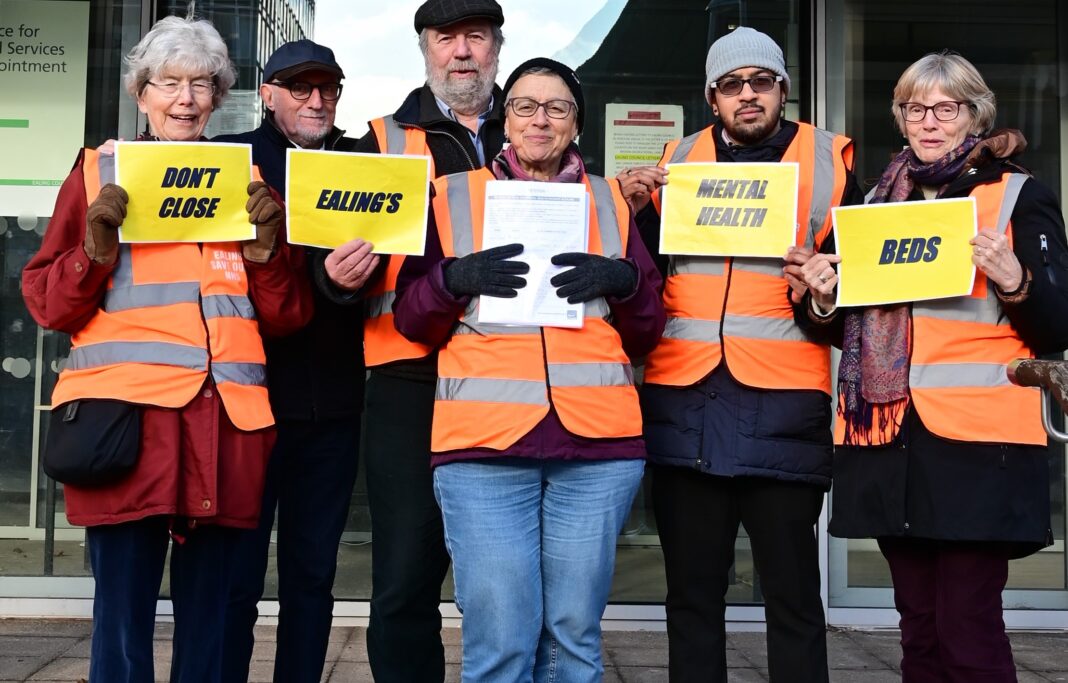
[298, 56]
[444, 12]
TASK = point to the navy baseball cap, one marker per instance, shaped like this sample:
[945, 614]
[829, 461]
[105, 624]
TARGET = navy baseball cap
[298, 56]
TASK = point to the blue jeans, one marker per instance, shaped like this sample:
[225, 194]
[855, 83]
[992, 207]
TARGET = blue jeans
[533, 545]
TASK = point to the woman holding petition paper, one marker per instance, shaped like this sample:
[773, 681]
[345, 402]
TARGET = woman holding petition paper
[536, 441]
[939, 457]
[163, 396]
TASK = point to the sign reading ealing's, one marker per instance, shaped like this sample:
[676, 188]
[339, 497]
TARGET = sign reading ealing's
[335, 197]
[44, 48]
[904, 251]
[184, 191]
[729, 209]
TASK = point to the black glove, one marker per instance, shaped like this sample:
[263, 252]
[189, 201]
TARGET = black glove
[593, 276]
[487, 273]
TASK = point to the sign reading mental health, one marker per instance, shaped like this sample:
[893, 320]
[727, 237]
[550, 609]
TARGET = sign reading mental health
[44, 48]
[904, 251]
[184, 191]
[729, 209]
[335, 197]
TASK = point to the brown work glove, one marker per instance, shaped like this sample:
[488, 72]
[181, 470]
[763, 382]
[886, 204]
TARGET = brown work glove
[265, 213]
[102, 221]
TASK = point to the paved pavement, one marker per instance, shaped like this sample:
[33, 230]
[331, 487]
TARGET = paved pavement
[58, 650]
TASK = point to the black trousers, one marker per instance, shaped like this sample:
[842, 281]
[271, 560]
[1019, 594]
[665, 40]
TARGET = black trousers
[408, 556]
[698, 516]
[310, 477]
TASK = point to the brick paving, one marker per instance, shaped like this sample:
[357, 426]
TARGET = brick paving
[58, 650]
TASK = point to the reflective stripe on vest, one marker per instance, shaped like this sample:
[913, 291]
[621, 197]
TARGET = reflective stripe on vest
[157, 335]
[739, 307]
[961, 346]
[157, 353]
[381, 342]
[496, 382]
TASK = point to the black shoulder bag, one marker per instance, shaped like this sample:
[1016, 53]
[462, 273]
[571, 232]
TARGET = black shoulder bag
[92, 442]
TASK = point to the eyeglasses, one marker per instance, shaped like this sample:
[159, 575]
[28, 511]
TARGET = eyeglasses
[172, 88]
[554, 109]
[300, 90]
[914, 112]
[733, 86]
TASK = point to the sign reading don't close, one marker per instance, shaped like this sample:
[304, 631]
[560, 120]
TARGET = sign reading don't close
[335, 197]
[729, 209]
[904, 251]
[184, 191]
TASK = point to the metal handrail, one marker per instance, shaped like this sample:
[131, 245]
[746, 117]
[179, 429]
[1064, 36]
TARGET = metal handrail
[1051, 376]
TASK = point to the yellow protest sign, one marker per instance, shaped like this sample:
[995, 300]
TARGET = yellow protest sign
[729, 209]
[184, 191]
[334, 197]
[904, 251]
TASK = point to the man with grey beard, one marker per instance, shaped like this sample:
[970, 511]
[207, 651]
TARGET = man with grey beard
[457, 119]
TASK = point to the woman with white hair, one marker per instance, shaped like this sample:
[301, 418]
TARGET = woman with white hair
[166, 372]
[939, 458]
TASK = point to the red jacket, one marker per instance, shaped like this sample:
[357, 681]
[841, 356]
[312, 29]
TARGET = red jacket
[193, 462]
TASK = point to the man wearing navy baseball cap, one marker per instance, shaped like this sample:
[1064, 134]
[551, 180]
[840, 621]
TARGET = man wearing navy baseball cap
[456, 117]
[315, 378]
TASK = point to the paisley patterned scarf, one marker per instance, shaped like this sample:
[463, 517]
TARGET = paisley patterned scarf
[873, 376]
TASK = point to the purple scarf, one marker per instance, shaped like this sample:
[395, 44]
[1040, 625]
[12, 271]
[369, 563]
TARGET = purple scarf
[874, 370]
[507, 166]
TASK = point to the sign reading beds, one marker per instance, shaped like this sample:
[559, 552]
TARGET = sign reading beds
[904, 251]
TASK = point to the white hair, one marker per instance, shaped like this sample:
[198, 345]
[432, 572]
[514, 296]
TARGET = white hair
[424, 42]
[190, 45]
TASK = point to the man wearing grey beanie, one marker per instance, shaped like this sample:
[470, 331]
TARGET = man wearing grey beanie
[736, 400]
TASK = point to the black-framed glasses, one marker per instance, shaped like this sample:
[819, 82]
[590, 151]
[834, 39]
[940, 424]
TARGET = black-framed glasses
[554, 109]
[914, 112]
[733, 86]
[199, 88]
[302, 91]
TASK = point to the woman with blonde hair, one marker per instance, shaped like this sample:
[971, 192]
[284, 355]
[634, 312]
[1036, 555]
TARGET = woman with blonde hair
[939, 458]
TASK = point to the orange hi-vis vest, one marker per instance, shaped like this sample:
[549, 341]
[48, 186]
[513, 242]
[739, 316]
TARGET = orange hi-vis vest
[960, 347]
[738, 309]
[381, 342]
[159, 333]
[497, 382]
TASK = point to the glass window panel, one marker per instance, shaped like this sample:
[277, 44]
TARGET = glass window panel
[27, 547]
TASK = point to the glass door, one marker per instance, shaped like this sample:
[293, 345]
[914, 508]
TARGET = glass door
[1017, 47]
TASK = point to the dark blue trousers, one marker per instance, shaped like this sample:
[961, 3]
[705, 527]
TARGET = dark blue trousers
[127, 561]
[310, 477]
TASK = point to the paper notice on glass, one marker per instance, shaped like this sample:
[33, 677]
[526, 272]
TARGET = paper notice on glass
[635, 134]
[547, 219]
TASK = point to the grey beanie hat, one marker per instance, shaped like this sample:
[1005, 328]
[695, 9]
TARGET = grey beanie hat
[740, 48]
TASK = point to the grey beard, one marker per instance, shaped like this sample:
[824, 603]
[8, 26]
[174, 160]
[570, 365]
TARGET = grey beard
[311, 136]
[467, 97]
